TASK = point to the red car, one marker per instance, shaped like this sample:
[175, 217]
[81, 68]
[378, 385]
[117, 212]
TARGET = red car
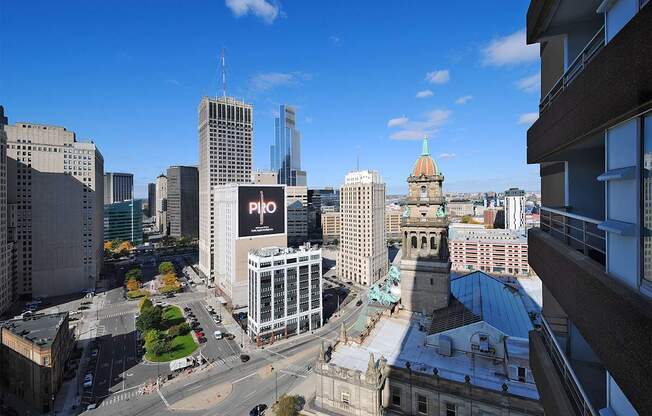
[199, 334]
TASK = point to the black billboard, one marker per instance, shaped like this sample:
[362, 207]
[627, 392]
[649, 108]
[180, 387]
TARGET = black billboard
[261, 210]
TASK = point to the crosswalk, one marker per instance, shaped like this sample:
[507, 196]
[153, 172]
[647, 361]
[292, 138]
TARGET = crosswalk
[116, 314]
[119, 397]
[223, 361]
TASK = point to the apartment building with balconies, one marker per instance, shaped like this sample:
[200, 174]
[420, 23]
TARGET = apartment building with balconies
[593, 249]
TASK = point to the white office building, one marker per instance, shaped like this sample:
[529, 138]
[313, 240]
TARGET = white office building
[514, 209]
[285, 292]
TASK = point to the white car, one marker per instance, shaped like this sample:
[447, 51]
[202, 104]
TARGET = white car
[218, 334]
[88, 380]
[91, 406]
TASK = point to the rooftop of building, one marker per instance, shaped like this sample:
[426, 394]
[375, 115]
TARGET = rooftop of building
[279, 251]
[486, 235]
[401, 341]
[425, 165]
[481, 297]
[38, 329]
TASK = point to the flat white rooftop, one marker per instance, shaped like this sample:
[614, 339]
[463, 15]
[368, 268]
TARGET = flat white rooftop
[400, 341]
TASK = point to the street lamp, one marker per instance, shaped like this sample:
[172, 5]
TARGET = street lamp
[276, 385]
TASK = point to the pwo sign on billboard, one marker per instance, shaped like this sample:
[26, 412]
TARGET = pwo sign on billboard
[261, 210]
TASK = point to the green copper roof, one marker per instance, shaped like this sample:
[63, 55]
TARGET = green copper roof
[425, 151]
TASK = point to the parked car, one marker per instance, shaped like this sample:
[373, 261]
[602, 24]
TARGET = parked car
[94, 352]
[229, 336]
[358, 303]
[259, 410]
[88, 380]
[244, 358]
[216, 320]
[91, 406]
[218, 334]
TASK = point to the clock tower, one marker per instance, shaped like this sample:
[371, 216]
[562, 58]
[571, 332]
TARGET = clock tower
[425, 264]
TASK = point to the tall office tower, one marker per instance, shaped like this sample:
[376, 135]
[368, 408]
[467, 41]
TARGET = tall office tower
[58, 187]
[514, 209]
[151, 200]
[118, 187]
[296, 199]
[6, 246]
[124, 221]
[248, 217]
[285, 292]
[593, 141]
[363, 244]
[161, 219]
[225, 143]
[425, 266]
[285, 153]
[183, 201]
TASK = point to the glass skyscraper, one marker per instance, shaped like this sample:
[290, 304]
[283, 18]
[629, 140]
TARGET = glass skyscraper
[285, 153]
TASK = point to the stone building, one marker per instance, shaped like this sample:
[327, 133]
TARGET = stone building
[425, 266]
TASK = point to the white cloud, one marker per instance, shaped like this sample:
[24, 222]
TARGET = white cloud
[424, 94]
[260, 8]
[528, 118]
[398, 121]
[412, 130]
[509, 50]
[445, 156]
[335, 40]
[309, 119]
[529, 84]
[441, 76]
[269, 80]
[463, 99]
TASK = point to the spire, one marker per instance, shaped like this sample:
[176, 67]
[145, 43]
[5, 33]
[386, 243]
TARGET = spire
[425, 151]
[371, 366]
[343, 333]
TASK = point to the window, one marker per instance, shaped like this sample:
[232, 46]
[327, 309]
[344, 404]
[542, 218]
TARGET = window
[346, 398]
[647, 200]
[396, 396]
[422, 404]
[414, 242]
[451, 409]
[521, 374]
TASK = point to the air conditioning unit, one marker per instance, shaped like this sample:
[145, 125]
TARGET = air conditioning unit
[445, 345]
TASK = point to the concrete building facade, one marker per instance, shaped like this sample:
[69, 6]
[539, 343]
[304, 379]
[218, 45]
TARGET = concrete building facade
[243, 228]
[183, 201]
[593, 144]
[285, 292]
[494, 251]
[514, 209]
[425, 264]
[162, 204]
[33, 356]
[362, 257]
[225, 144]
[118, 187]
[264, 177]
[331, 224]
[57, 184]
[7, 281]
[393, 215]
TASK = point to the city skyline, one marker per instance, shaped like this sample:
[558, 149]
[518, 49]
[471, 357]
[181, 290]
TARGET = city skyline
[444, 91]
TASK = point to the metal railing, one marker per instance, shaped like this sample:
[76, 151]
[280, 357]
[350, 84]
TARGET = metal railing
[575, 68]
[573, 387]
[576, 231]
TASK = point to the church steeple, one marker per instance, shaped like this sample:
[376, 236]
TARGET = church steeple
[424, 149]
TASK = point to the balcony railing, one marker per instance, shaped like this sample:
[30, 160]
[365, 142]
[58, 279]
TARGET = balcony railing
[573, 387]
[574, 69]
[575, 230]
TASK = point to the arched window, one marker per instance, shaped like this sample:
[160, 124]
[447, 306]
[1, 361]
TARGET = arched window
[414, 242]
[433, 243]
[424, 242]
[424, 191]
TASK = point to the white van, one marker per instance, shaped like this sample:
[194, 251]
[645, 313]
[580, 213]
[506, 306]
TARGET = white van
[218, 334]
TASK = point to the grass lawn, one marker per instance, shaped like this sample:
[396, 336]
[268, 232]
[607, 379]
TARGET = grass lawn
[182, 345]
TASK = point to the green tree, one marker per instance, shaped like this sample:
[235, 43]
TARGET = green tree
[166, 267]
[134, 274]
[287, 406]
[149, 319]
[145, 303]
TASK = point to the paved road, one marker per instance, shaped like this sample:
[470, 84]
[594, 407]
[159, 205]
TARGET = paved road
[249, 389]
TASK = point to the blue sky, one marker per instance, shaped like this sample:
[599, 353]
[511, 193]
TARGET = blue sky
[366, 77]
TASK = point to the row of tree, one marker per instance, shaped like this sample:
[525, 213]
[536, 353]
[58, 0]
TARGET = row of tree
[117, 248]
[169, 280]
[133, 282]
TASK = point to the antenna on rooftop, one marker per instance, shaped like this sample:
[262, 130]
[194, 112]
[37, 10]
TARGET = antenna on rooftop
[357, 159]
[223, 72]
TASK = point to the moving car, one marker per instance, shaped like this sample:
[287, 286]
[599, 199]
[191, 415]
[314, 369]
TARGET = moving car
[88, 380]
[358, 303]
[258, 410]
[218, 334]
[244, 358]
